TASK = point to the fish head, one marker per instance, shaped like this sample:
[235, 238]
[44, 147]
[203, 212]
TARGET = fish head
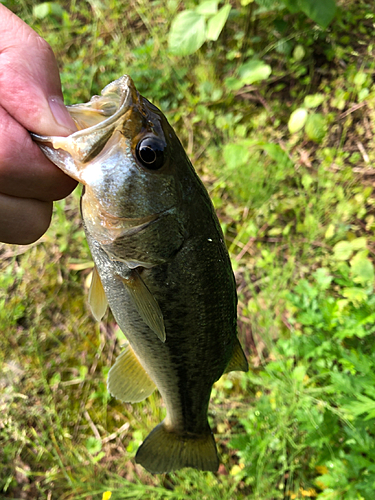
[126, 155]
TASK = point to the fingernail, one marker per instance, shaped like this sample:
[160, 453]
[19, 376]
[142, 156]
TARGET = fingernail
[61, 114]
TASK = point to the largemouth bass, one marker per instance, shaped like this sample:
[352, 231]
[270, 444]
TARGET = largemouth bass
[160, 261]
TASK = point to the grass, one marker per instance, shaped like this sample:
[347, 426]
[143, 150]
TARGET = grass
[298, 217]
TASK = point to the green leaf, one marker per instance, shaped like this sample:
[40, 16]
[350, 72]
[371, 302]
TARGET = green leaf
[207, 8]
[216, 23]
[93, 445]
[254, 71]
[314, 100]
[188, 33]
[46, 9]
[356, 295]
[364, 405]
[323, 278]
[362, 268]
[298, 53]
[297, 120]
[360, 78]
[320, 11]
[235, 155]
[292, 5]
[342, 250]
[299, 373]
[233, 83]
[359, 243]
[316, 128]
[277, 154]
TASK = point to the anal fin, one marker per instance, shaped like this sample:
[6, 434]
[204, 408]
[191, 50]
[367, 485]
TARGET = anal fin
[164, 451]
[238, 361]
[145, 303]
[127, 379]
[97, 298]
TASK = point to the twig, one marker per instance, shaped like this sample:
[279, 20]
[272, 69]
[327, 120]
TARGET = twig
[364, 171]
[245, 248]
[115, 434]
[19, 250]
[363, 152]
[92, 425]
[352, 109]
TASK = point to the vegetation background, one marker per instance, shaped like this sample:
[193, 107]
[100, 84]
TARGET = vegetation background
[274, 101]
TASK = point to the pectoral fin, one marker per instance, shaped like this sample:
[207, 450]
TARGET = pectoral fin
[238, 361]
[97, 298]
[145, 303]
[127, 379]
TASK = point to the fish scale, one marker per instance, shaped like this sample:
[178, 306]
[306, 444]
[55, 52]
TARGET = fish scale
[161, 261]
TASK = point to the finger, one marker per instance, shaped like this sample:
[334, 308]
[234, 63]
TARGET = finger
[23, 220]
[25, 171]
[30, 88]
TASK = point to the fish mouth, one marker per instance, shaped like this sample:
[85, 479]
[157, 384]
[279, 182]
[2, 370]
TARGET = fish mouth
[96, 121]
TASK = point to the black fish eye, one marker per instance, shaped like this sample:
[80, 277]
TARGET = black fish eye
[150, 153]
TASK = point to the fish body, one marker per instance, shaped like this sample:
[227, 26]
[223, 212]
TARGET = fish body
[162, 264]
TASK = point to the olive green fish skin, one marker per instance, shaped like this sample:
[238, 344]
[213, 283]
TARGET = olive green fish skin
[158, 226]
[195, 290]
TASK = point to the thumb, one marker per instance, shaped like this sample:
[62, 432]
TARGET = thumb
[30, 88]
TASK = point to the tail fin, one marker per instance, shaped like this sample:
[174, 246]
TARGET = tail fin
[165, 451]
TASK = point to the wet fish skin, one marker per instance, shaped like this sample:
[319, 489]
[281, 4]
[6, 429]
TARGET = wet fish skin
[162, 261]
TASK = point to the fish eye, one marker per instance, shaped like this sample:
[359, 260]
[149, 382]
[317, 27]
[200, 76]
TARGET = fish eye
[150, 153]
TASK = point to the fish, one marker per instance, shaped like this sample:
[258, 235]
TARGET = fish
[161, 264]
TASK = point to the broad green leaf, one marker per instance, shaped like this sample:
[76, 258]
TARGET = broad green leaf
[216, 23]
[360, 78]
[276, 152]
[316, 127]
[233, 83]
[314, 100]
[320, 11]
[235, 155]
[359, 243]
[342, 250]
[292, 5]
[362, 94]
[362, 268]
[330, 232]
[298, 53]
[297, 120]
[299, 373]
[207, 8]
[45, 9]
[254, 71]
[355, 295]
[307, 180]
[188, 33]
[93, 445]
[323, 278]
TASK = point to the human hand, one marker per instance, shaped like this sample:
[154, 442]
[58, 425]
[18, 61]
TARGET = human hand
[30, 100]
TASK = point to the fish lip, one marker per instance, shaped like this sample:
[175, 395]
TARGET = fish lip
[126, 85]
